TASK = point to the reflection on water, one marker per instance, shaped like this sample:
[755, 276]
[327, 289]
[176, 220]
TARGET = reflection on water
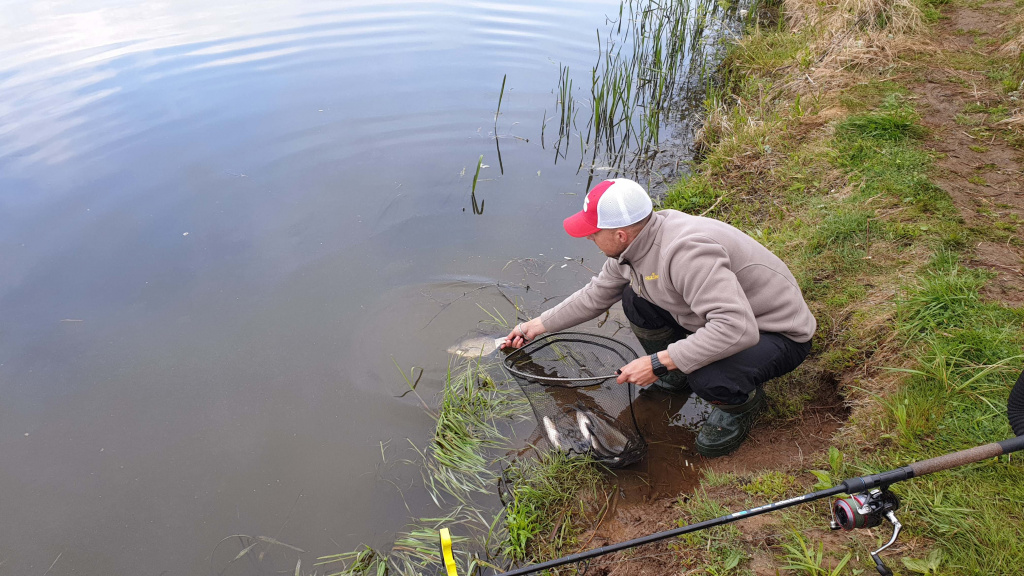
[223, 225]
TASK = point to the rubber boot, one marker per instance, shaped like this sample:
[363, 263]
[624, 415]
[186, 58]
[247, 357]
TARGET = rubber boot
[727, 426]
[654, 341]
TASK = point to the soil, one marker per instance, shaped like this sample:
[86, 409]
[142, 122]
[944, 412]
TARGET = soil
[982, 172]
[977, 166]
[648, 493]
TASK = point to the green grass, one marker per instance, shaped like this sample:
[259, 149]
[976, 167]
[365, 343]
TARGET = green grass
[692, 195]
[803, 557]
[465, 458]
[862, 216]
[548, 502]
[770, 485]
[720, 553]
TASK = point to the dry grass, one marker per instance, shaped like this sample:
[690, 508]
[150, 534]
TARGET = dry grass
[1015, 122]
[858, 34]
[895, 16]
[855, 35]
[1014, 47]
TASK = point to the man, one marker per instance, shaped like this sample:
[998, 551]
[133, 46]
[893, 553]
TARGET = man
[718, 313]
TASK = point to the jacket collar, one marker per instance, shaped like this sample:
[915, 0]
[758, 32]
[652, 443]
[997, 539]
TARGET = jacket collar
[643, 242]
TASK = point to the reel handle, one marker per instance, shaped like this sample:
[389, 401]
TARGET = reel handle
[882, 568]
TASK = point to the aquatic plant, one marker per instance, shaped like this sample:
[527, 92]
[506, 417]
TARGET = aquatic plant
[656, 57]
[464, 460]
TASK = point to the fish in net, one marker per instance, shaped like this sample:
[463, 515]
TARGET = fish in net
[569, 379]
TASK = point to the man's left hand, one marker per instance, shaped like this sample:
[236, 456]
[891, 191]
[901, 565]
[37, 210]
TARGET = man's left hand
[638, 372]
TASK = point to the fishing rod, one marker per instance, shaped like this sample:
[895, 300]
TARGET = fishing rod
[869, 504]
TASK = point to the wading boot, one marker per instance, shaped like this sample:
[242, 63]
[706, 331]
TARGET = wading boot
[654, 341]
[727, 425]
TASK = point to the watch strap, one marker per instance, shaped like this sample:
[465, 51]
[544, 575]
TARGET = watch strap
[657, 366]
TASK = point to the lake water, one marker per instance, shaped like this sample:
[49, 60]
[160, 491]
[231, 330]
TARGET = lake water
[225, 226]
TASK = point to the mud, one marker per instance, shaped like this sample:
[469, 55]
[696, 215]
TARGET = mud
[648, 493]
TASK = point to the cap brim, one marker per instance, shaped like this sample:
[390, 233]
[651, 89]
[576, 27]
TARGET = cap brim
[577, 226]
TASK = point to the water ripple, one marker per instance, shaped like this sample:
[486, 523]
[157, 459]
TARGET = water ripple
[57, 100]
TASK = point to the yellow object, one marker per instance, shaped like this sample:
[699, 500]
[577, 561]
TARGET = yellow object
[446, 552]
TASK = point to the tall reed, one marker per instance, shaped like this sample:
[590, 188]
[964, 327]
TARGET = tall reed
[657, 56]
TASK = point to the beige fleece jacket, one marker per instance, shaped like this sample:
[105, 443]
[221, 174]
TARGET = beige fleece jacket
[718, 283]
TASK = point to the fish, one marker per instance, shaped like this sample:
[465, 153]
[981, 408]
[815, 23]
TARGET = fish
[553, 436]
[584, 424]
[605, 439]
[476, 347]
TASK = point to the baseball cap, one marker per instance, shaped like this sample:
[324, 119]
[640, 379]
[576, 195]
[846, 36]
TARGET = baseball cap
[611, 204]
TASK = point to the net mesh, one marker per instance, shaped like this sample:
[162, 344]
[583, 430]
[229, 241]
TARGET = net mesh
[569, 379]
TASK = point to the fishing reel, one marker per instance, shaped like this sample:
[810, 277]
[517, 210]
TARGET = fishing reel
[867, 510]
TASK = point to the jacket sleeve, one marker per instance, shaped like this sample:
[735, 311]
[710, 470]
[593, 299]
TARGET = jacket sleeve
[588, 302]
[701, 273]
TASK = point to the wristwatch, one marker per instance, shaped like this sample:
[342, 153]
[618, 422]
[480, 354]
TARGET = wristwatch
[659, 368]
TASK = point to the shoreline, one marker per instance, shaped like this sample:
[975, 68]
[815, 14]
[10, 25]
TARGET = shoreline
[831, 141]
[872, 145]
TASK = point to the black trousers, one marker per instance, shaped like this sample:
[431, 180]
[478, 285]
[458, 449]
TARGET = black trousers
[729, 380]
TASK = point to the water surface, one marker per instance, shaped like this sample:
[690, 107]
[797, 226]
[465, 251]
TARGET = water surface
[222, 225]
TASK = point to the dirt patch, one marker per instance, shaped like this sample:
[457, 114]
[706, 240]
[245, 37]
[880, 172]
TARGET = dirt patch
[1007, 262]
[647, 494]
[977, 164]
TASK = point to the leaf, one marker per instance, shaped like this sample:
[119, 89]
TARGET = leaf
[915, 565]
[842, 563]
[824, 479]
[270, 540]
[245, 551]
[298, 567]
[928, 565]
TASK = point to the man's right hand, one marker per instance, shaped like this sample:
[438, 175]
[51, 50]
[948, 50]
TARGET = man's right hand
[524, 332]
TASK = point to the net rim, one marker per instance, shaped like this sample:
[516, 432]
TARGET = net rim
[624, 351]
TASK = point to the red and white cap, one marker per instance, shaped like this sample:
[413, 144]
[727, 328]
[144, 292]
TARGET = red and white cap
[610, 204]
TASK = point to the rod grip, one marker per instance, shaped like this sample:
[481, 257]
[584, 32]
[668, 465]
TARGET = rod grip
[947, 461]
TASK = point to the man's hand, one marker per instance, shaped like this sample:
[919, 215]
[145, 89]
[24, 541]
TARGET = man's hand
[524, 332]
[640, 371]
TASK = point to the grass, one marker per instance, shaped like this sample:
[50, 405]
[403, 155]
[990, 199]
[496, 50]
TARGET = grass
[479, 208]
[464, 460]
[547, 503]
[645, 57]
[813, 144]
[803, 557]
[713, 550]
[770, 485]
[843, 189]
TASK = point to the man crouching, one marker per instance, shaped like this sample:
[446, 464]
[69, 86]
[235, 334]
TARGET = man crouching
[718, 313]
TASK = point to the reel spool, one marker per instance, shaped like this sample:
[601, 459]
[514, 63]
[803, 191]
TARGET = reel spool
[863, 510]
[867, 510]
